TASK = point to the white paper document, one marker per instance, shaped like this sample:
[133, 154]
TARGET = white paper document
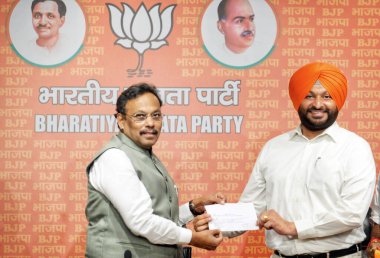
[232, 216]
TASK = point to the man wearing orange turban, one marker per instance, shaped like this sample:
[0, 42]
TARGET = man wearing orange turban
[332, 79]
[312, 186]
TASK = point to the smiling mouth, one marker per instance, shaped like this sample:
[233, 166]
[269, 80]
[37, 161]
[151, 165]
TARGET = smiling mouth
[317, 114]
[149, 133]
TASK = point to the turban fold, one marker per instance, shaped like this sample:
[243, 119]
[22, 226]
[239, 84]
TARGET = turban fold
[331, 78]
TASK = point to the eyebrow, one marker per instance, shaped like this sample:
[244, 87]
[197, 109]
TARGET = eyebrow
[143, 111]
[238, 18]
[243, 17]
[37, 12]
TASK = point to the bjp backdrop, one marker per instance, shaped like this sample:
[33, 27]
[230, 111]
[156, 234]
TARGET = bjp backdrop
[58, 89]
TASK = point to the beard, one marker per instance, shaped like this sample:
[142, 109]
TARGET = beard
[317, 125]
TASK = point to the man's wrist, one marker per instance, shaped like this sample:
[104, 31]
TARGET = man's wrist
[293, 230]
[193, 210]
[375, 230]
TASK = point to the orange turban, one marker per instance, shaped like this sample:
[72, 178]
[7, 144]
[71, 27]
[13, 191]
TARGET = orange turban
[331, 78]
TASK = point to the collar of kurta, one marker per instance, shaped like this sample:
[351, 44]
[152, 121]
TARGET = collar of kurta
[331, 132]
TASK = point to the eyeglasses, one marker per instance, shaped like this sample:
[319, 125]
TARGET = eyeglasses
[141, 117]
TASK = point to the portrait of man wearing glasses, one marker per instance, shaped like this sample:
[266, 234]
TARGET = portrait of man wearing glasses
[132, 207]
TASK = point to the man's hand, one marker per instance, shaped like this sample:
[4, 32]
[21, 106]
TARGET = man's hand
[374, 244]
[200, 223]
[272, 220]
[199, 203]
[208, 239]
[372, 247]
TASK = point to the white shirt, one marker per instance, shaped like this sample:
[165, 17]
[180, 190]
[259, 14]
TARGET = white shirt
[324, 185]
[64, 49]
[134, 205]
[253, 55]
[375, 214]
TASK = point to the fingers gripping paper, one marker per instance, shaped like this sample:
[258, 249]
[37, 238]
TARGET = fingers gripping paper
[232, 216]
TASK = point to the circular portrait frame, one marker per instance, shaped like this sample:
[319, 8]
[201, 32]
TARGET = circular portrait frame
[262, 46]
[23, 36]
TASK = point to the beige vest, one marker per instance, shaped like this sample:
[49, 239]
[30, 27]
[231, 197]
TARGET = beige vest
[107, 235]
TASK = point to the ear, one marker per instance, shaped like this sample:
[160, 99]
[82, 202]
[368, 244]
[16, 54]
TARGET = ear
[120, 120]
[220, 26]
[63, 18]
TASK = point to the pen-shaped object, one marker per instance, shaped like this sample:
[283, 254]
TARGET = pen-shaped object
[316, 161]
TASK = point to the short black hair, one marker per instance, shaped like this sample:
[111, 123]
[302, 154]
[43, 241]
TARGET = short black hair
[222, 10]
[60, 3]
[133, 92]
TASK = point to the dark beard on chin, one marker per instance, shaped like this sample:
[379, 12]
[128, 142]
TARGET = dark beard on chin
[332, 115]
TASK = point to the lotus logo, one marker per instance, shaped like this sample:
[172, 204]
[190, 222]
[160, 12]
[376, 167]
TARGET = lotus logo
[141, 30]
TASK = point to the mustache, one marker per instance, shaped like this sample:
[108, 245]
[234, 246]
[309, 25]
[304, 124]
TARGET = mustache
[247, 33]
[317, 109]
[41, 26]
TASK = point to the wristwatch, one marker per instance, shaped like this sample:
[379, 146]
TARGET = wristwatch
[192, 209]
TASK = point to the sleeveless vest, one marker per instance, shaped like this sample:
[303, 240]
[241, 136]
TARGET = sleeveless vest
[107, 235]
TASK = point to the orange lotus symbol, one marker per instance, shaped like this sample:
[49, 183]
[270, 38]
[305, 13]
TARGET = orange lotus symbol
[141, 30]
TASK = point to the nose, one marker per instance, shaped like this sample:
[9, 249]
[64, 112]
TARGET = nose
[149, 121]
[249, 24]
[43, 20]
[318, 102]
